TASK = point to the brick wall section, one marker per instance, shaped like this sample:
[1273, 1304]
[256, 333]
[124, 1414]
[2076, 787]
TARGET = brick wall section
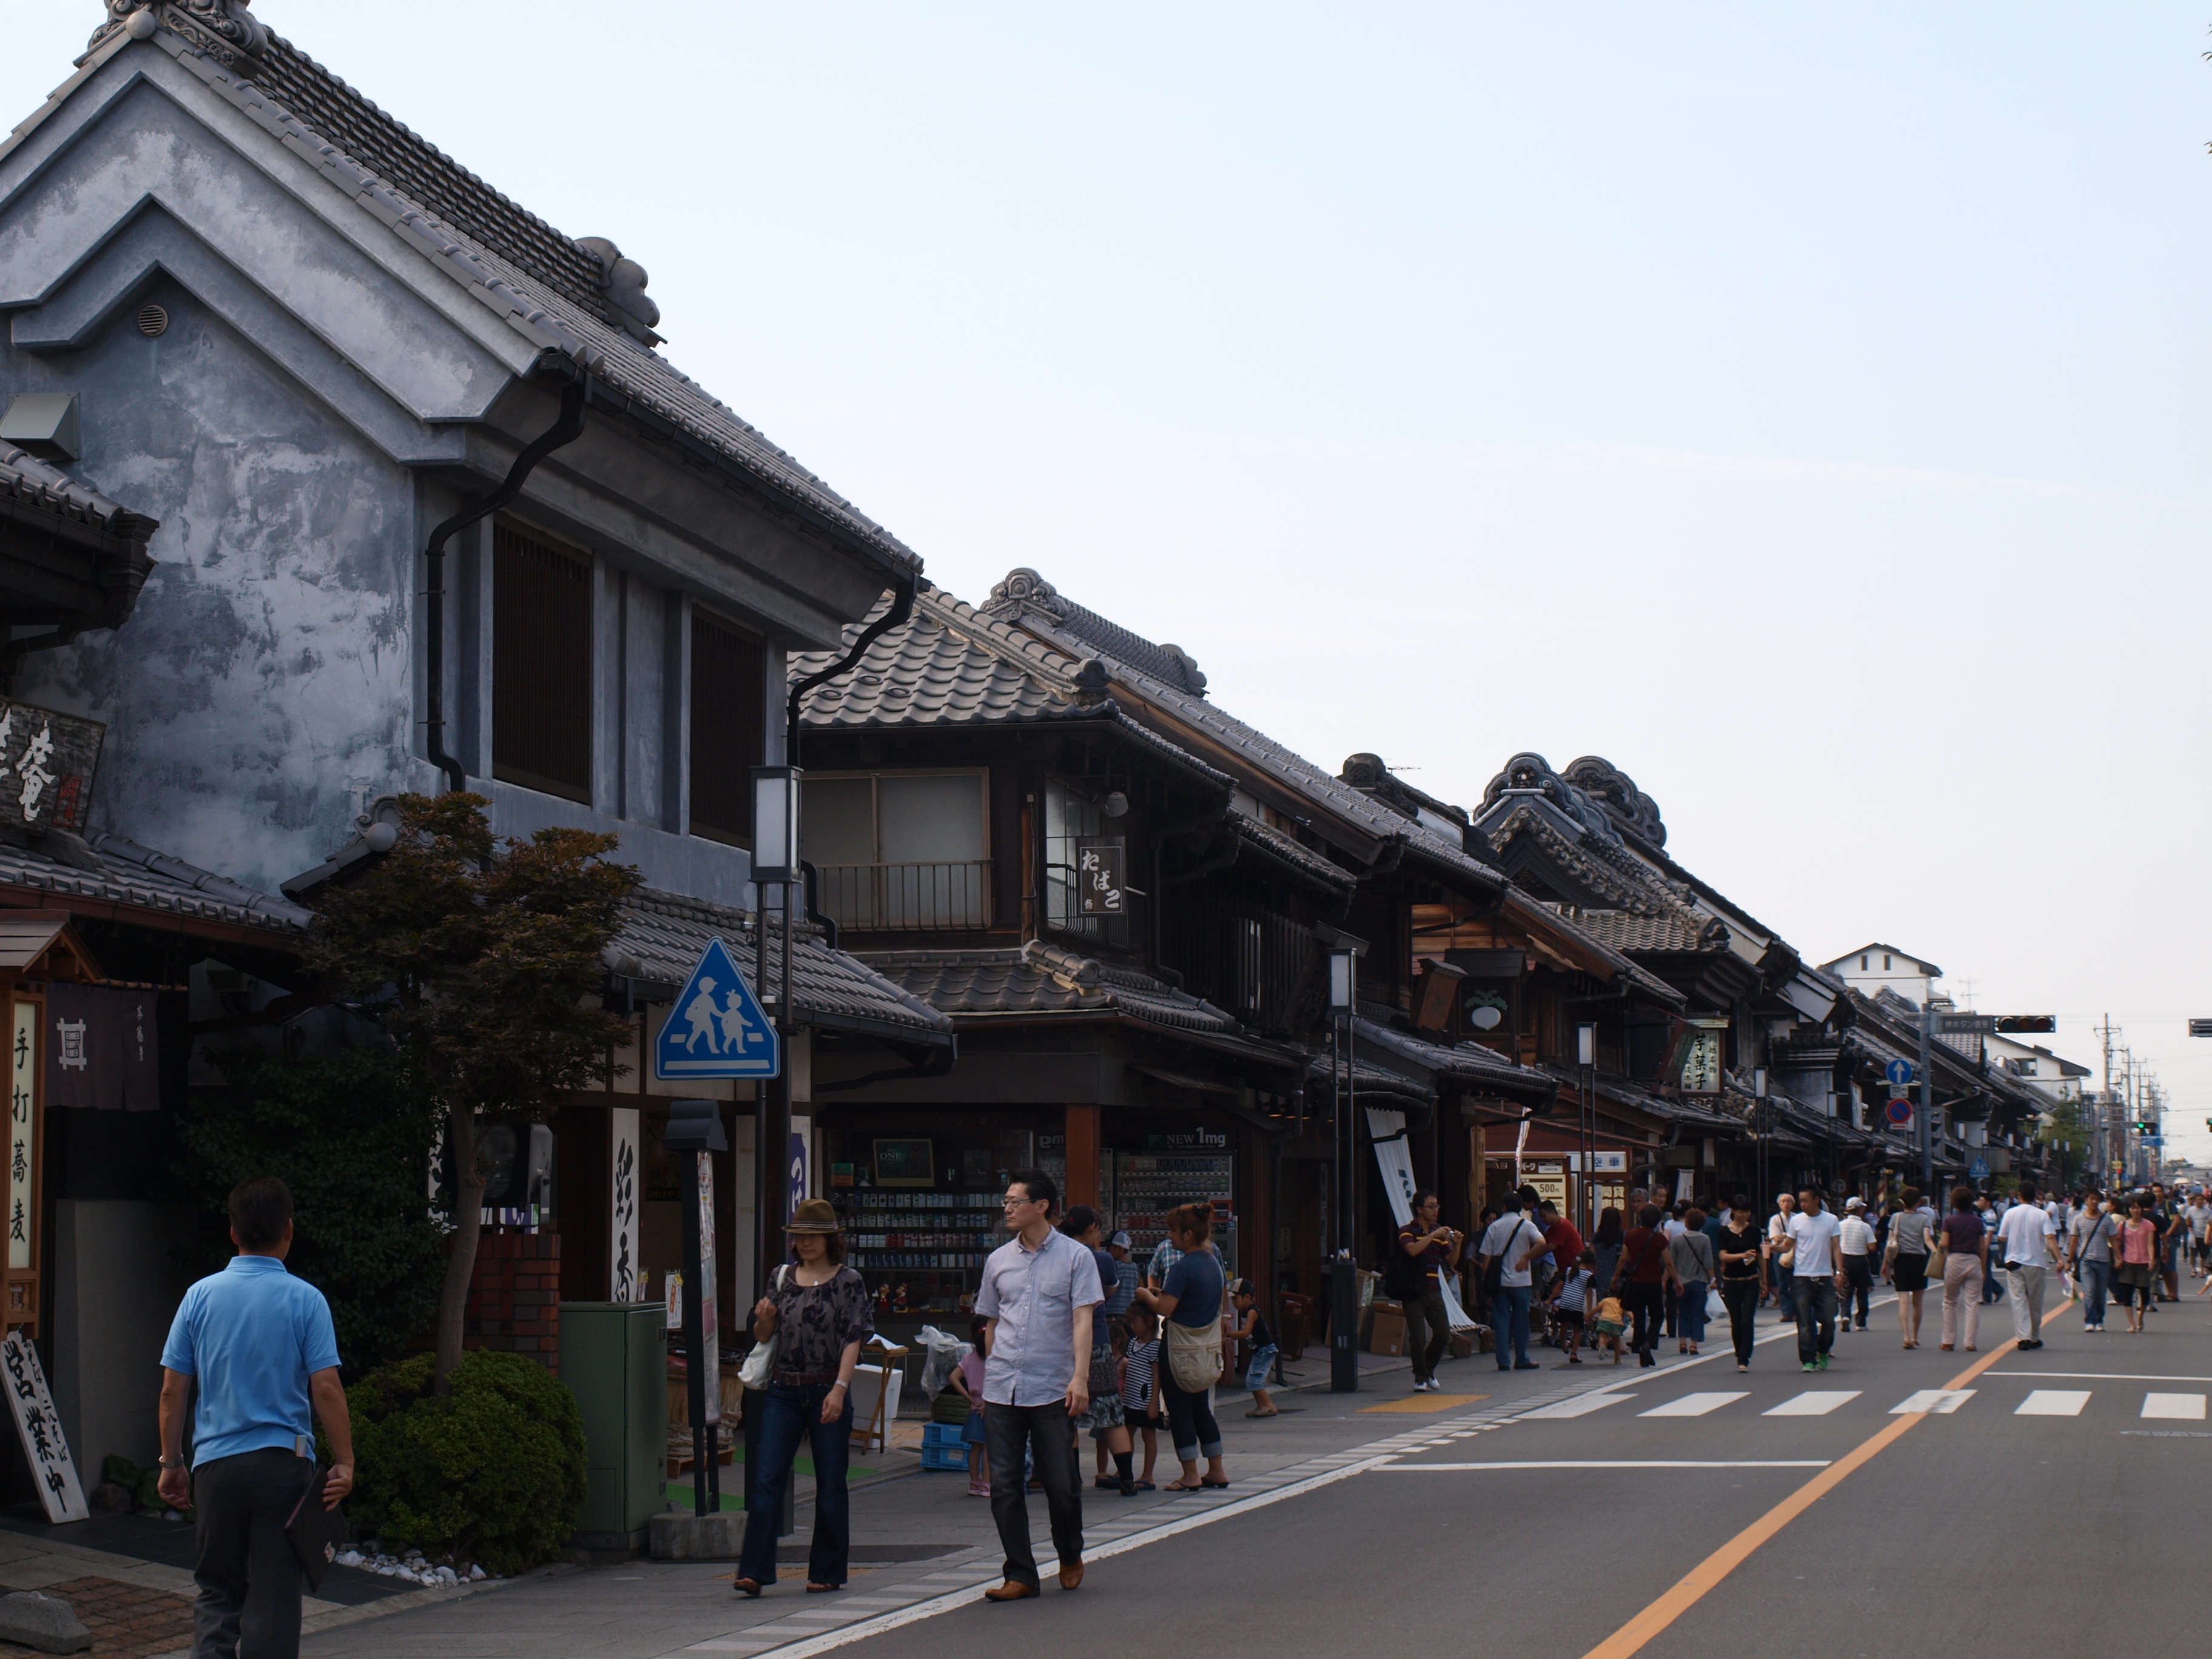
[514, 1298]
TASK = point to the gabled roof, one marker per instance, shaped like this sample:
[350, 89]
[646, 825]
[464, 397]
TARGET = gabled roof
[946, 664]
[573, 296]
[1468, 1065]
[1843, 962]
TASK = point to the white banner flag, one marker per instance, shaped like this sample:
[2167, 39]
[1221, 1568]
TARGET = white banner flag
[1395, 1158]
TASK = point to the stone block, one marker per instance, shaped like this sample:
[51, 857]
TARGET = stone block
[698, 1537]
[41, 1622]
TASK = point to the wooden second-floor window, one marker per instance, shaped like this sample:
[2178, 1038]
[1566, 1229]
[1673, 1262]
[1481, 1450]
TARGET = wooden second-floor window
[541, 653]
[909, 851]
[728, 736]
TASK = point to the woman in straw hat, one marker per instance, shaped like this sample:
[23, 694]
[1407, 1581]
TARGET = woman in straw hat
[818, 1309]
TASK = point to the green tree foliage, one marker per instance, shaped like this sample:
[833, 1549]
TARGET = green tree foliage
[492, 1470]
[480, 956]
[352, 1137]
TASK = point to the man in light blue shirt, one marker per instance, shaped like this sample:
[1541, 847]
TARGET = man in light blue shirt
[260, 1346]
[1039, 1293]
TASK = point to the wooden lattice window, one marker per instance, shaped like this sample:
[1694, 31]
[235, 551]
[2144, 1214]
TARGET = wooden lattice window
[728, 737]
[541, 704]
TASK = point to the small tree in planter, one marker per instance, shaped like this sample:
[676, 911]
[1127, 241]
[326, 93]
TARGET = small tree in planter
[478, 956]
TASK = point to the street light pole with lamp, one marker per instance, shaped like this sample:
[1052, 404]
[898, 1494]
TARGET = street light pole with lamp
[775, 863]
[1586, 1057]
[1344, 951]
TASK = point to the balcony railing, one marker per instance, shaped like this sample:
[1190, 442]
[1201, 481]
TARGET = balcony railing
[908, 898]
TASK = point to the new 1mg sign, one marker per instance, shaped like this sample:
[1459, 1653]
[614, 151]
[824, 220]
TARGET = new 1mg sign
[717, 1028]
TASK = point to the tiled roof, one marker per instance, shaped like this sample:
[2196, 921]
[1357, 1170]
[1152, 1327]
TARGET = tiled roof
[1295, 854]
[1624, 930]
[1469, 1064]
[949, 664]
[1041, 979]
[547, 287]
[127, 873]
[29, 484]
[1026, 599]
[1325, 1074]
[1531, 910]
[663, 934]
[946, 663]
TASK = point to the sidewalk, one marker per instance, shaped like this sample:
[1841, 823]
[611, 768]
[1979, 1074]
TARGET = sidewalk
[919, 1538]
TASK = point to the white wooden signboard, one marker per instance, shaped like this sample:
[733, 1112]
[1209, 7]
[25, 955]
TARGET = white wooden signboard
[40, 1430]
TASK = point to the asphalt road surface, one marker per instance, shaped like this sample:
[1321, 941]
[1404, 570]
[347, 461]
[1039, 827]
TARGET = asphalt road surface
[1900, 1502]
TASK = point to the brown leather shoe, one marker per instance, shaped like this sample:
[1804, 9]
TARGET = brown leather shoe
[1071, 1577]
[1011, 1590]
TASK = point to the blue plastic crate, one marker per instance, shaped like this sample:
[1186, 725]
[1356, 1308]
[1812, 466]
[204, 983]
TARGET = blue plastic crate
[951, 1459]
[943, 1434]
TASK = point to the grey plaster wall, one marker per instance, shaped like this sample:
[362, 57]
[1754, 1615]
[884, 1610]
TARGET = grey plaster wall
[261, 691]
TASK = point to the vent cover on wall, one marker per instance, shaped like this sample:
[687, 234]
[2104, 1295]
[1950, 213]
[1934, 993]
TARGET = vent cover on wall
[152, 321]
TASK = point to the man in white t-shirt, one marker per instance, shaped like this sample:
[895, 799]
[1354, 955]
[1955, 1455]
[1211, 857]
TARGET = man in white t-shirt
[2029, 1237]
[1513, 1242]
[1817, 1272]
[2200, 1217]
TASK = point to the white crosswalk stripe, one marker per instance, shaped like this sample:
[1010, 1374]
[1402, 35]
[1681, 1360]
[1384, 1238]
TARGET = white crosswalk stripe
[1813, 1402]
[1939, 1401]
[1696, 1404]
[1581, 1407]
[2052, 1402]
[2188, 1407]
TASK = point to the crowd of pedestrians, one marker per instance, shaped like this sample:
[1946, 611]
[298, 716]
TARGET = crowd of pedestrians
[1657, 1270]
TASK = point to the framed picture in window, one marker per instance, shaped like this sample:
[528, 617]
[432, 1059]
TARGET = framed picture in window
[905, 1163]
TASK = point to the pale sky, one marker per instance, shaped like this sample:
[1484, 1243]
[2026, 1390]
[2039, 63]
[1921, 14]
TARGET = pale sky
[1799, 407]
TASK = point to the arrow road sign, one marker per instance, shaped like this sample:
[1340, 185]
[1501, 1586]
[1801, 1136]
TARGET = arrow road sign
[1900, 1074]
[717, 1028]
[1900, 1111]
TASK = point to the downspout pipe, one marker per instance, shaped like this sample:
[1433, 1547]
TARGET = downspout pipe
[903, 593]
[575, 396]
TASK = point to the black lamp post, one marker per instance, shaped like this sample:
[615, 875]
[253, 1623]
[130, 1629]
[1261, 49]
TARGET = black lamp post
[775, 866]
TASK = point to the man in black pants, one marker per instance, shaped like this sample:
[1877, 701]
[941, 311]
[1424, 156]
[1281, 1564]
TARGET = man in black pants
[1040, 1291]
[259, 1342]
[1855, 1240]
[1428, 1328]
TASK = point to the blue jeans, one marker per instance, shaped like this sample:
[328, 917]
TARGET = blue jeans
[1692, 1322]
[2096, 1283]
[787, 1415]
[1816, 1318]
[1785, 1288]
[1509, 1318]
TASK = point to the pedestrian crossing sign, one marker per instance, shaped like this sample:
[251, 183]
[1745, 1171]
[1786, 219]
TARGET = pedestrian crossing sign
[717, 1028]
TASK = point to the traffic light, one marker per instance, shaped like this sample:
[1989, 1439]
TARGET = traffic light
[2021, 1024]
[2151, 1129]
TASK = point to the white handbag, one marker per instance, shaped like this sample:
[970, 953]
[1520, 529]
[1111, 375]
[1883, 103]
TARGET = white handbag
[759, 1368]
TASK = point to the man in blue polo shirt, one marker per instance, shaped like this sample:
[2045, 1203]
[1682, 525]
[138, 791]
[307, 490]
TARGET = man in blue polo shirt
[259, 1343]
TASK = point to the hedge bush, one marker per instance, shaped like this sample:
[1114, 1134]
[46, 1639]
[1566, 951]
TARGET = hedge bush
[492, 1472]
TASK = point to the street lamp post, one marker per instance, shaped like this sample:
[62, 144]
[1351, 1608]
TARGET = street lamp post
[775, 864]
[1586, 1057]
[1343, 1271]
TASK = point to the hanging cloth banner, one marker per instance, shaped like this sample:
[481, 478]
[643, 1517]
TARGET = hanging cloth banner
[1395, 1158]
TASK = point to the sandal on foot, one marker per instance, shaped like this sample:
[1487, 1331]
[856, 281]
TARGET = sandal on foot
[1270, 1412]
[1146, 1486]
[1215, 1485]
[1177, 1486]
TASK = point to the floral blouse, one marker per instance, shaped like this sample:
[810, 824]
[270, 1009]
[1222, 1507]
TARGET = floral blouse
[816, 1323]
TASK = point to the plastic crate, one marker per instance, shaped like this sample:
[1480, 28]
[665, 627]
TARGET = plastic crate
[943, 1434]
[942, 1448]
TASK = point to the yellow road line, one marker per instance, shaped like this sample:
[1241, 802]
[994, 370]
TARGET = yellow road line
[1691, 1588]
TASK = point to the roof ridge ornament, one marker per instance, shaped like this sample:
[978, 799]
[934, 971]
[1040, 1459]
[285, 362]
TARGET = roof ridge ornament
[1025, 587]
[222, 27]
[622, 281]
[1615, 790]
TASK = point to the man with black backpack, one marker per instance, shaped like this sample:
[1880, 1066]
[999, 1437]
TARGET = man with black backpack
[1426, 1251]
[1511, 1243]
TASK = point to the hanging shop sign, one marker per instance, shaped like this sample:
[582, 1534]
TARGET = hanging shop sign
[47, 761]
[1101, 870]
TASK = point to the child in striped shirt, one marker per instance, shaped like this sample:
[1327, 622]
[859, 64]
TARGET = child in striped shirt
[1141, 1400]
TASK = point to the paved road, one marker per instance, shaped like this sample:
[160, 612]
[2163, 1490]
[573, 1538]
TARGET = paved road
[1896, 1499]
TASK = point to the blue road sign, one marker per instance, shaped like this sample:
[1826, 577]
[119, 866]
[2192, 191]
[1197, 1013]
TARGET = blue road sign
[1900, 1110]
[1900, 1074]
[1979, 1168]
[717, 1028]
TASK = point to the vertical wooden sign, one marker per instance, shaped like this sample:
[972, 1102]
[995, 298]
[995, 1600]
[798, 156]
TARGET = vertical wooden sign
[51, 1466]
[25, 1095]
[622, 1198]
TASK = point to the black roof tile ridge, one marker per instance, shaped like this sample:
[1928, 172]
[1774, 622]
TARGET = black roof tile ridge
[108, 844]
[375, 113]
[501, 279]
[26, 477]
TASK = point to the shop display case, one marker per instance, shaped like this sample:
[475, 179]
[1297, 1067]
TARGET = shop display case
[1147, 1186]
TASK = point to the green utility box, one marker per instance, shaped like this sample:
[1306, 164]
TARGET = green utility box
[615, 1356]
